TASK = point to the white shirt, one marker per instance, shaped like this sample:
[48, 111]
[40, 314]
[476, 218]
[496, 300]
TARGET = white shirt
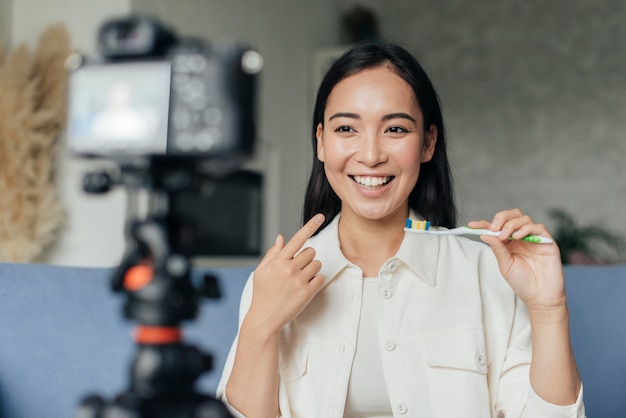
[455, 340]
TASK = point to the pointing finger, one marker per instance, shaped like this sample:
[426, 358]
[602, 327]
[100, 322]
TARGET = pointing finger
[297, 241]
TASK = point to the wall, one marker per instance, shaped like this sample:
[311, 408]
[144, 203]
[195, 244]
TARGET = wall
[5, 22]
[532, 94]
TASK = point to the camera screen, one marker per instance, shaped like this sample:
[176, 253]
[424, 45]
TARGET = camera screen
[119, 108]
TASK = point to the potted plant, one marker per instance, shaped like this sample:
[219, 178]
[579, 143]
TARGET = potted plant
[590, 244]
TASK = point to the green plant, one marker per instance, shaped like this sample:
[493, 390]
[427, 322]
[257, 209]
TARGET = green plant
[589, 244]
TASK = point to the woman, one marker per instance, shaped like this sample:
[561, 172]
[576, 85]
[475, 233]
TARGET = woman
[353, 317]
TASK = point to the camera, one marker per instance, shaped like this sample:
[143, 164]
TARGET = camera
[177, 116]
[151, 94]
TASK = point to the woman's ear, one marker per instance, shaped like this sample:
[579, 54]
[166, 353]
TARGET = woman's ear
[430, 140]
[320, 142]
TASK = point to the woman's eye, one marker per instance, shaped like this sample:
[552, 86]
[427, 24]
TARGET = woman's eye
[344, 129]
[397, 130]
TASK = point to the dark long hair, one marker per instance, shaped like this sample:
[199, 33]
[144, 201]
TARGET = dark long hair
[433, 195]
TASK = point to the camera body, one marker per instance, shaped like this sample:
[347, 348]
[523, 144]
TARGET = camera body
[177, 117]
[150, 94]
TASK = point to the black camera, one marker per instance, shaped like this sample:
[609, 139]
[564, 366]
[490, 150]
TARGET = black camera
[152, 94]
[177, 116]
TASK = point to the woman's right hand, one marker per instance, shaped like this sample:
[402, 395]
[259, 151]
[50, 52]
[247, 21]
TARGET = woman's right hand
[283, 284]
[285, 280]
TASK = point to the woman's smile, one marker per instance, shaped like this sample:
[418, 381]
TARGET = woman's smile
[372, 182]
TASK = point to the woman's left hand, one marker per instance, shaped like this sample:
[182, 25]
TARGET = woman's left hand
[534, 271]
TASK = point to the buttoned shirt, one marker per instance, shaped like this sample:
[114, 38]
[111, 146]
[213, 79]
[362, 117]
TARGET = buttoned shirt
[454, 338]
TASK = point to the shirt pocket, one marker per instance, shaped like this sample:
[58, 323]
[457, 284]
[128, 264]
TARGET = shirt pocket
[457, 371]
[298, 377]
[294, 362]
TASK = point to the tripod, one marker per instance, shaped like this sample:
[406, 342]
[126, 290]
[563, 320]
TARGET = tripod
[160, 295]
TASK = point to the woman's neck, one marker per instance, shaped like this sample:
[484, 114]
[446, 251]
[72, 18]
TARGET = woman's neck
[369, 243]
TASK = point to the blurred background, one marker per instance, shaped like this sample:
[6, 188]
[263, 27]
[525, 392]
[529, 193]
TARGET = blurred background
[533, 94]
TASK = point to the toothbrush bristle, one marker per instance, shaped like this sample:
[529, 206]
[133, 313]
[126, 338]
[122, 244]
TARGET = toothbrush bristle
[417, 225]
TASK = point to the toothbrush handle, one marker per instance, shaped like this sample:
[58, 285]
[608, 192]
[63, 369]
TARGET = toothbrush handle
[537, 239]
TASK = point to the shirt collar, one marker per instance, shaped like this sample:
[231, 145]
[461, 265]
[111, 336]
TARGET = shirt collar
[420, 253]
[328, 251]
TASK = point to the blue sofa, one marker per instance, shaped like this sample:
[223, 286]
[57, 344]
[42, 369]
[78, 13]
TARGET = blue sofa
[62, 336]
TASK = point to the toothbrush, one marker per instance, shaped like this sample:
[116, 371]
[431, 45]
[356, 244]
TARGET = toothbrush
[424, 227]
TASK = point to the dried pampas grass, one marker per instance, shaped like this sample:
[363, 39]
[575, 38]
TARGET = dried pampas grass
[32, 118]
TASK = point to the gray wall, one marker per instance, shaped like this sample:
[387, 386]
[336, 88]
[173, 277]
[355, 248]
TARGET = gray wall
[535, 98]
[5, 23]
[533, 92]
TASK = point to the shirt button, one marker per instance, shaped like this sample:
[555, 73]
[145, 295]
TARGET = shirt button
[501, 414]
[387, 293]
[481, 360]
[392, 266]
[390, 345]
[402, 409]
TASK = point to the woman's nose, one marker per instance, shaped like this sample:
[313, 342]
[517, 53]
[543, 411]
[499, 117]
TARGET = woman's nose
[372, 151]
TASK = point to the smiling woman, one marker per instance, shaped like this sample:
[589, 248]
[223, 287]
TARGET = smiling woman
[355, 317]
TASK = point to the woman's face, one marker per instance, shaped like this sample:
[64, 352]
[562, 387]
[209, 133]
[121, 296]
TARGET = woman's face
[372, 143]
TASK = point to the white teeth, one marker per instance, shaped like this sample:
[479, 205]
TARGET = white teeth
[371, 181]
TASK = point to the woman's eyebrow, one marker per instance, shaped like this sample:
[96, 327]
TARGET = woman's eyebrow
[398, 115]
[344, 115]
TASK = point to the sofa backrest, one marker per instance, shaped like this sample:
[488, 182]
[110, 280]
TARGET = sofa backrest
[596, 296]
